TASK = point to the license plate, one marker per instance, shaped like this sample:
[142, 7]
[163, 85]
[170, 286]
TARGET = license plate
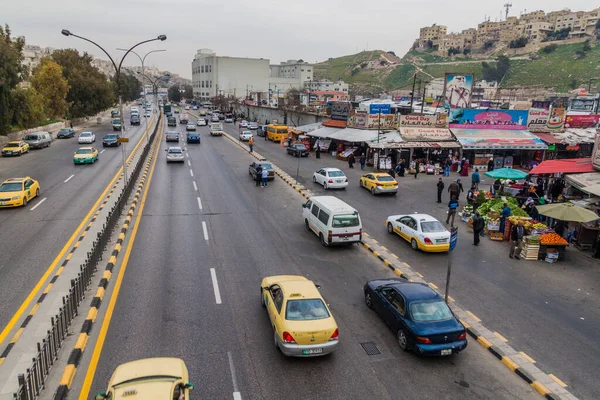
[345, 237]
[441, 241]
[312, 351]
[339, 181]
[446, 352]
[2, 203]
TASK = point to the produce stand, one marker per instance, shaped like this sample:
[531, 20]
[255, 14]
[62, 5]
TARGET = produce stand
[531, 248]
[545, 250]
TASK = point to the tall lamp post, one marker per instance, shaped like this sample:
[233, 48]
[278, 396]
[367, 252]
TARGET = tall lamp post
[154, 83]
[142, 59]
[66, 32]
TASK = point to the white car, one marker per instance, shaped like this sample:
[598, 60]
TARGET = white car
[245, 136]
[422, 231]
[244, 124]
[331, 178]
[214, 118]
[201, 122]
[174, 154]
[252, 125]
[194, 107]
[190, 127]
[229, 120]
[147, 114]
[86, 137]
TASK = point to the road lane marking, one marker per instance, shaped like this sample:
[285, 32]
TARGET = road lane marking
[69, 178]
[189, 163]
[200, 207]
[205, 230]
[213, 275]
[195, 186]
[191, 172]
[37, 205]
[102, 151]
[187, 155]
[236, 393]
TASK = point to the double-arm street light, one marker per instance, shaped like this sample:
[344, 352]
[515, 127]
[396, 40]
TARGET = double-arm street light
[66, 32]
[154, 83]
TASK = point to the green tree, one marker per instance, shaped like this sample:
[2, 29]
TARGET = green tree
[89, 89]
[49, 82]
[12, 72]
[452, 51]
[188, 92]
[130, 87]
[586, 45]
[496, 72]
[29, 108]
[573, 84]
[174, 94]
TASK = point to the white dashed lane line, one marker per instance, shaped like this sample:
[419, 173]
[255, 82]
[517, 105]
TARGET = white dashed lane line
[213, 275]
[191, 172]
[195, 186]
[187, 155]
[69, 178]
[189, 162]
[38, 204]
[205, 230]
[200, 207]
[102, 151]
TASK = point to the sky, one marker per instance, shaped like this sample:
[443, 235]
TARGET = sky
[279, 30]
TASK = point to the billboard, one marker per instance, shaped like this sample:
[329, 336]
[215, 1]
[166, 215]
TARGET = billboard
[457, 90]
[415, 134]
[487, 139]
[425, 121]
[385, 122]
[582, 121]
[538, 120]
[358, 119]
[377, 108]
[541, 104]
[556, 123]
[596, 152]
[340, 110]
[489, 119]
[583, 105]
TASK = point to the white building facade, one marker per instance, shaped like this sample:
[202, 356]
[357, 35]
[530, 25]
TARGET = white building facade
[325, 85]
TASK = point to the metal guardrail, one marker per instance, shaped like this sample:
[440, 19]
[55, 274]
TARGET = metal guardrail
[33, 381]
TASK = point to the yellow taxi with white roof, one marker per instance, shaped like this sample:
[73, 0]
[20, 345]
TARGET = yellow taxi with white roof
[422, 231]
[302, 323]
[379, 182]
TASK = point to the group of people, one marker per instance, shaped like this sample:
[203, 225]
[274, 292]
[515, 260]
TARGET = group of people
[262, 176]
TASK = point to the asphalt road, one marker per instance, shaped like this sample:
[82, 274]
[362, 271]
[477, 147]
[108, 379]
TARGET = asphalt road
[167, 304]
[31, 237]
[549, 311]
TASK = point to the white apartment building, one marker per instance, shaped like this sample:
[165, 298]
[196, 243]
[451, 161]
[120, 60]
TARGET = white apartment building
[32, 55]
[325, 85]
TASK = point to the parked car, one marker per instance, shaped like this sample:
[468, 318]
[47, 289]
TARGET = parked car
[15, 148]
[38, 140]
[331, 178]
[65, 133]
[297, 150]
[265, 165]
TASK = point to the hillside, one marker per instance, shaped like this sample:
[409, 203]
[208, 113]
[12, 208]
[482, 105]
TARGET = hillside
[370, 72]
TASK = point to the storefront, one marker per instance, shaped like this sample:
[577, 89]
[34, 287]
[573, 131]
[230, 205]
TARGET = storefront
[322, 137]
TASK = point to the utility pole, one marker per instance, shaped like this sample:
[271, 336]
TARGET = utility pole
[507, 6]
[419, 91]
[412, 94]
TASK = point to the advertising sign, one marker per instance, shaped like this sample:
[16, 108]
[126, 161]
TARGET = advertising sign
[377, 108]
[385, 122]
[583, 105]
[358, 119]
[425, 121]
[541, 104]
[538, 120]
[425, 134]
[457, 90]
[556, 123]
[582, 121]
[560, 102]
[453, 237]
[596, 152]
[490, 119]
[488, 139]
[340, 110]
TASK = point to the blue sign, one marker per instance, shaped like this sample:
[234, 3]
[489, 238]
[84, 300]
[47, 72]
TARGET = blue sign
[453, 237]
[377, 108]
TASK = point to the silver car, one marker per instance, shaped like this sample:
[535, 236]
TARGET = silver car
[172, 136]
[252, 125]
[174, 154]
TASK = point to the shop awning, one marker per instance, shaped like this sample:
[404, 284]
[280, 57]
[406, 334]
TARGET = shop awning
[588, 182]
[324, 132]
[548, 138]
[416, 134]
[497, 139]
[571, 136]
[355, 135]
[568, 166]
[309, 127]
[409, 145]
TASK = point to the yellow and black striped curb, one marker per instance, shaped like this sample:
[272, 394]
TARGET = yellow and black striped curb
[76, 354]
[61, 269]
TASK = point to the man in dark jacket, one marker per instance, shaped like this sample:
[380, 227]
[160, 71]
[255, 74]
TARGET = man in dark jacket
[455, 188]
[351, 160]
[491, 165]
[440, 188]
[516, 235]
[478, 225]
[452, 208]
[258, 175]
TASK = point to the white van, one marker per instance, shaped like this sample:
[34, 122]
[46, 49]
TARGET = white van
[332, 220]
[38, 140]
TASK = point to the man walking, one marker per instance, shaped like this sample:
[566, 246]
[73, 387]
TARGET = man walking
[416, 168]
[452, 207]
[251, 144]
[265, 177]
[440, 188]
[478, 225]
[362, 160]
[475, 179]
[516, 236]
[351, 160]
[258, 175]
[454, 189]
[318, 150]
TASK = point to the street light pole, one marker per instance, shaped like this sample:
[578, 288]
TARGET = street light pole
[66, 32]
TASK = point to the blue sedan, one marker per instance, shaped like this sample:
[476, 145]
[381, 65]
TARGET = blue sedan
[419, 317]
[193, 137]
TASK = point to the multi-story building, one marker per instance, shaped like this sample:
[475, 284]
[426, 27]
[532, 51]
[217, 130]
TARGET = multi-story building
[325, 85]
[32, 55]
[432, 32]
[452, 41]
[291, 74]
[537, 31]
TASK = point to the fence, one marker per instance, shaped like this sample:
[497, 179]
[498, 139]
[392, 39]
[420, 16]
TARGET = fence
[32, 382]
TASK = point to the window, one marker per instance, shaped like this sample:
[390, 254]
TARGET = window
[315, 210]
[323, 217]
[202, 83]
[305, 310]
[430, 311]
[210, 68]
[308, 204]
[277, 295]
[202, 68]
[210, 83]
[336, 174]
[395, 299]
[302, 70]
[308, 70]
[345, 221]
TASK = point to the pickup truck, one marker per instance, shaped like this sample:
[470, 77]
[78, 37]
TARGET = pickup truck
[116, 124]
[216, 129]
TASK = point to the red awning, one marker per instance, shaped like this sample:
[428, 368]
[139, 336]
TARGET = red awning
[548, 138]
[569, 166]
[332, 123]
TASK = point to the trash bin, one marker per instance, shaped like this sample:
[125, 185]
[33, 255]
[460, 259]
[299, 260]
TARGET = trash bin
[99, 120]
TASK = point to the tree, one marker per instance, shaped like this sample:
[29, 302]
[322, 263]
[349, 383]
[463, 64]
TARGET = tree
[518, 43]
[89, 89]
[49, 82]
[488, 45]
[497, 72]
[188, 92]
[29, 108]
[219, 101]
[12, 71]
[550, 48]
[130, 87]
[573, 84]
[452, 51]
[466, 51]
[586, 45]
[175, 94]
[391, 52]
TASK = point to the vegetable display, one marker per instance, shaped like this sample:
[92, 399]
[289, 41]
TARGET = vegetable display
[498, 204]
[552, 239]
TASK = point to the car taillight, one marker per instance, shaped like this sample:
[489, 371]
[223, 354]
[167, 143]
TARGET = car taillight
[378, 184]
[330, 181]
[346, 180]
[335, 335]
[427, 240]
[462, 336]
[425, 340]
[329, 236]
[287, 338]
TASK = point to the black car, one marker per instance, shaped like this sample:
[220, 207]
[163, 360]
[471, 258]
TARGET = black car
[65, 133]
[135, 120]
[111, 140]
[297, 150]
[193, 137]
[417, 315]
[265, 165]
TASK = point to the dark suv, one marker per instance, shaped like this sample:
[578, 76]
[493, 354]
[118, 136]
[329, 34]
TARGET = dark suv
[135, 120]
[171, 121]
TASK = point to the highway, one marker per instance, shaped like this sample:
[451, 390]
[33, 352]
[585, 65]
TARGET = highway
[548, 311]
[31, 237]
[206, 238]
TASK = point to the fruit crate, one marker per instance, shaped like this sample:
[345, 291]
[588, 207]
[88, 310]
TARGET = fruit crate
[530, 252]
[497, 236]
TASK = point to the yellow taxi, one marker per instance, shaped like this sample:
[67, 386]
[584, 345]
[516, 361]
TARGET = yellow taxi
[85, 155]
[15, 192]
[302, 323]
[161, 378]
[15, 148]
[379, 182]
[422, 231]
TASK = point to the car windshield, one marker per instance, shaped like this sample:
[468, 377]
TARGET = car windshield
[84, 151]
[111, 137]
[336, 173]
[343, 221]
[432, 226]
[385, 179]
[174, 150]
[430, 311]
[172, 133]
[31, 137]
[64, 131]
[266, 166]
[116, 121]
[12, 145]
[11, 187]
[300, 147]
[85, 134]
[306, 310]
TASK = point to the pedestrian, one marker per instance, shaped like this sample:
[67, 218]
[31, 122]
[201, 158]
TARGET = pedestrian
[265, 177]
[318, 150]
[491, 164]
[464, 171]
[71, 124]
[504, 214]
[516, 236]
[475, 178]
[392, 173]
[251, 144]
[440, 188]
[471, 195]
[351, 160]
[478, 225]
[362, 160]
[455, 188]
[447, 170]
[452, 207]
[402, 168]
[258, 175]
[416, 168]
[497, 185]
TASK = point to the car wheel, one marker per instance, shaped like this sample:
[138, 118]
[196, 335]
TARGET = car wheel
[322, 239]
[37, 192]
[368, 300]
[306, 225]
[314, 179]
[24, 201]
[275, 339]
[325, 185]
[373, 191]
[414, 244]
[360, 183]
[402, 340]
[390, 227]
[20, 153]
[262, 298]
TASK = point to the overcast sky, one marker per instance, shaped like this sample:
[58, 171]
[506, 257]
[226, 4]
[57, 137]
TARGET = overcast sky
[312, 30]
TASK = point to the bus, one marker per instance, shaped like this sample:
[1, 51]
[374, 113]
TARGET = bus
[167, 108]
[277, 132]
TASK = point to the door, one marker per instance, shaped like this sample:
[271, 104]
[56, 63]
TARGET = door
[274, 302]
[395, 309]
[385, 310]
[321, 176]
[403, 227]
[314, 218]
[29, 190]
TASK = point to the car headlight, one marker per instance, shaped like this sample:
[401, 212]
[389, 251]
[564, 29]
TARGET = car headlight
[16, 198]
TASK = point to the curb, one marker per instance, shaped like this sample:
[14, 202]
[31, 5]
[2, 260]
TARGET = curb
[520, 363]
